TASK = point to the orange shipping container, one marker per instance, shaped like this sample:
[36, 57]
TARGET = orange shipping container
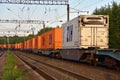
[18, 45]
[1, 46]
[52, 39]
[33, 43]
[12, 46]
[38, 42]
[27, 42]
[5, 45]
[15, 46]
[22, 45]
[30, 44]
[9, 46]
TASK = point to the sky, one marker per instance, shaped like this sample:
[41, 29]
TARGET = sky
[51, 14]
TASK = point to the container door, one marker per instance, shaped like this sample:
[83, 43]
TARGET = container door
[86, 37]
[101, 37]
[93, 37]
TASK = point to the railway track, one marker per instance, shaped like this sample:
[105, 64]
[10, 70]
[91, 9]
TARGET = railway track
[49, 71]
[44, 75]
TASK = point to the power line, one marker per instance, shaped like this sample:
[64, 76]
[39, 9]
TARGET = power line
[34, 10]
[13, 12]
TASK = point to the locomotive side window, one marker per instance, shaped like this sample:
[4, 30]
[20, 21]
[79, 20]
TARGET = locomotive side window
[69, 33]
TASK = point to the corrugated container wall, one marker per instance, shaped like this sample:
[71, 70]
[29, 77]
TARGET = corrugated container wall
[33, 43]
[28, 44]
[52, 39]
[25, 44]
[38, 42]
[16, 46]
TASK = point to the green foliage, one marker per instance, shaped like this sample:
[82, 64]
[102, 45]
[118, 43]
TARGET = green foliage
[2, 40]
[29, 37]
[11, 71]
[12, 40]
[44, 30]
[114, 31]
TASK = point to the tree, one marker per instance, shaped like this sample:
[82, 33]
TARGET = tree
[114, 29]
[44, 30]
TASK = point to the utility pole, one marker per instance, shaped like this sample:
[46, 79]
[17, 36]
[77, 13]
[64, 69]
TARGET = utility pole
[68, 12]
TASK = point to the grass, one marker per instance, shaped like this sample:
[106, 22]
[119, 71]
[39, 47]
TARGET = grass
[11, 72]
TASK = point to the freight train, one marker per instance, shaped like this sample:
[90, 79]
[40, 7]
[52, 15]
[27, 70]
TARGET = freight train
[84, 38]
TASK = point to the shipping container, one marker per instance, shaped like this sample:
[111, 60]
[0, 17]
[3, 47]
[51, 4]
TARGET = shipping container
[12, 46]
[16, 46]
[28, 45]
[86, 31]
[25, 44]
[1, 46]
[38, 42]
[52, 39]
[9, 46]
[33, 43]
[19, 45]
[22, 45]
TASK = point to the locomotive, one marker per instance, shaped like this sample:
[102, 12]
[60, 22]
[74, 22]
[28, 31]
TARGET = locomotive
[84, 38]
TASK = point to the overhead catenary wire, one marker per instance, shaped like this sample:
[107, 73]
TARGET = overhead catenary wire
[13, 12]
[34, 10]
